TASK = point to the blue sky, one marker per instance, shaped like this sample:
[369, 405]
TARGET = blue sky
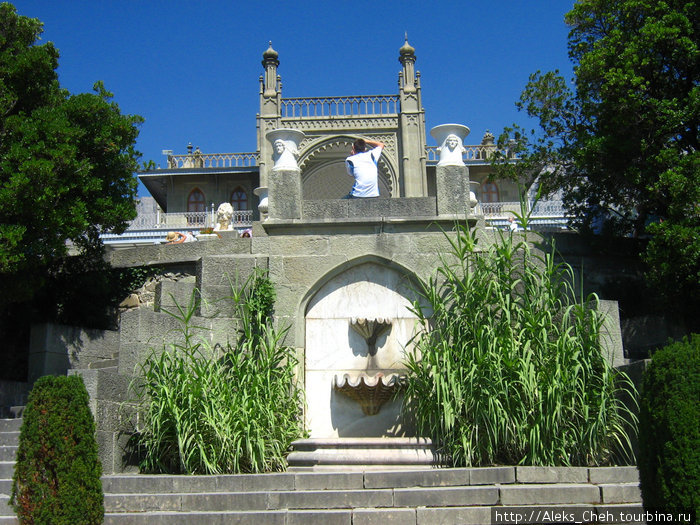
[191, 68]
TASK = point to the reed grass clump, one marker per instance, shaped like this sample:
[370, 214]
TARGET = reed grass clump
[509, 367]
[225, 409]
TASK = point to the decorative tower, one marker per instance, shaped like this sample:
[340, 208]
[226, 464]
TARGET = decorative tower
[412, 126]
[268, 119]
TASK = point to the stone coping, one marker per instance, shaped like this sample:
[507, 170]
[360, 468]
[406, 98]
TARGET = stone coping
[389, 477]
[363, 225]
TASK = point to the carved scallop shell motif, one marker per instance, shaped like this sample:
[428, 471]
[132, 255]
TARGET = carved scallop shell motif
[371, 392]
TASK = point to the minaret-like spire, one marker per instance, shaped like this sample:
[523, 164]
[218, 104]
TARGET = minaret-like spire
[407, 57]
[270, 63]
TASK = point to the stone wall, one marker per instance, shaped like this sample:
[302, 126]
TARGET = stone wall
[306, 258]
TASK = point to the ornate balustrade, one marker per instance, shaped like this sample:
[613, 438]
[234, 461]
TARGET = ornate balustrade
[545, 214]
[473, 153]
[149, 228]
[213, 160]
[198, 219]
[339, 106]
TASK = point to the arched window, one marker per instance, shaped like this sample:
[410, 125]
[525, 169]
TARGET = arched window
[239, 199]
[489, 192]
[195, 201]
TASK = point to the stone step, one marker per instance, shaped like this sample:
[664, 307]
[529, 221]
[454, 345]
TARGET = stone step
[7, 469]
[419, 516]
[358, 452]
[8, 453]
[10, 425]
[10, 439]
[140, 483]
[5, 508]
[5, 486]
[485, 495]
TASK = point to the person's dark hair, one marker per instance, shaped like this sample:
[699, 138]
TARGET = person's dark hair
[359, 145]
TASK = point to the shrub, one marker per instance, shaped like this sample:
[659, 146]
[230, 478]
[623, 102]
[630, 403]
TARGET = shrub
[227, 409]
[509, 367]
[669, 422]
[57, 474]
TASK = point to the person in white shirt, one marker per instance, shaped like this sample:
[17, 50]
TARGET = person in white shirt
[362, 165]
[512, 225]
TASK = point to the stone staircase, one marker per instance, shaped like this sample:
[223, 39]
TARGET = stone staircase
[9, 438]
[359, 497]
[437, 496]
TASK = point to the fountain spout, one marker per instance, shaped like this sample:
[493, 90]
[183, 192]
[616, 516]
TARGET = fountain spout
[370, 330]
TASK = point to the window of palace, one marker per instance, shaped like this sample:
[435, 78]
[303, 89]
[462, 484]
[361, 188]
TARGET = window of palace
[489, 192]
[195, 201]
[239, 199]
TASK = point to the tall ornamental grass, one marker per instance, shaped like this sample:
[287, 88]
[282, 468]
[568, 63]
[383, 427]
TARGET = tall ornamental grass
[229, 409]
[509, 367]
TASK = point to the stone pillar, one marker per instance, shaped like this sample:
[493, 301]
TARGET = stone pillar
[452, 188]
[451, 174]
[284, 179]
[268, 119]
[411, 127]
[284, 187]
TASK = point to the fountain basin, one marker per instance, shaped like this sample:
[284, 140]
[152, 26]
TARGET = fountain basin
[370, 392]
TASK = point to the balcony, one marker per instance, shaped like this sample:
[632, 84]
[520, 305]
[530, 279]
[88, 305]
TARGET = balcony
[151, 228]
[544, 214]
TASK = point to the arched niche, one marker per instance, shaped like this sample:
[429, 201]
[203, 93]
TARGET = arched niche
[323, 172]
[333, 348]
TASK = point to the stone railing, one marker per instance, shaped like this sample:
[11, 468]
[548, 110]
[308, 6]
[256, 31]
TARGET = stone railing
[212, 160]
[479, 152]
[151, 228]
[196, 219]
[339, 106]
[545, 214]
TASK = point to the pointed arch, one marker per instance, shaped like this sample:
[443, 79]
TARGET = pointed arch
[196, 202]
[239, 199]
[324, 174]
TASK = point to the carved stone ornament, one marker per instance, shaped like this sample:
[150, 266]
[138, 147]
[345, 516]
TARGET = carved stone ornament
[370, 392]
[370, 329]
[224, 214]
[450, 138]
[262, 192]
[285, 144]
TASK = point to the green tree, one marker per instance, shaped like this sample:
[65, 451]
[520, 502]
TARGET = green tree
[57, 474]
[66, 162]
[622, 143]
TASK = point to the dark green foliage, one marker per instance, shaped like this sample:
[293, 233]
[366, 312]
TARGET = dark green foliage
[669, 424]
[67, 162]
[622, 142]
[57, 474]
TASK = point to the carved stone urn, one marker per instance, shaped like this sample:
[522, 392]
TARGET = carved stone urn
[285, 145]
[450, 139]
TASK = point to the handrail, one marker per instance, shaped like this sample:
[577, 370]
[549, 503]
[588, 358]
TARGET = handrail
[213, 160]
[473, 152]
[339, 106]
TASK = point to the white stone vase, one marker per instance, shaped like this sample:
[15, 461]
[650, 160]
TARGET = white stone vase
[450, 139]
[261, 192]
[285, 146]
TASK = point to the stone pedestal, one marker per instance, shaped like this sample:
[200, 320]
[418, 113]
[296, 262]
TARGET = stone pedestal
[452, 188]
[284, 194]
